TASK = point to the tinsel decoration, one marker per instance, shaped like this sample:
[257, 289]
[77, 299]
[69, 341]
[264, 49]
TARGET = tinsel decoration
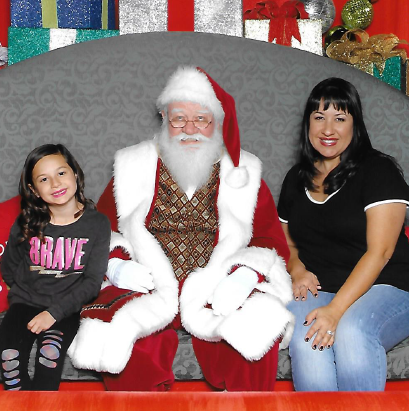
[365, 52]
[321, 9]
[3, 55]
[357, 14]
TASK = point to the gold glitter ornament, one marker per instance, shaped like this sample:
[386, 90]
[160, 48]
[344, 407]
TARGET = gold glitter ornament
[334, 33]
[357, 14]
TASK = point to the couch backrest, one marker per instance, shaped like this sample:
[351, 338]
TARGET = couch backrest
[99, 96]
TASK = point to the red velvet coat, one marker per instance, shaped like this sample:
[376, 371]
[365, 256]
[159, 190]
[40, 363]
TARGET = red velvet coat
[249, 234]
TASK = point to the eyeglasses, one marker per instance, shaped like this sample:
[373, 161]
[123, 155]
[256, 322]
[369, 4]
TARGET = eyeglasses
[200, 122]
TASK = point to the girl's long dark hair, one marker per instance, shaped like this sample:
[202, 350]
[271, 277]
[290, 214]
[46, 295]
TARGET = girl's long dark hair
[344, 97]
[35, 214]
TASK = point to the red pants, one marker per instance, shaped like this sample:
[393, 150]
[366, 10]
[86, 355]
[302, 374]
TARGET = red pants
[150, 366]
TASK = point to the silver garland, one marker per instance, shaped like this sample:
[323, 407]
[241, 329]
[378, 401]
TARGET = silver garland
[321, 9]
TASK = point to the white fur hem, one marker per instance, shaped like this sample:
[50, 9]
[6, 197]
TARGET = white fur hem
[263, 319]
[107, 346]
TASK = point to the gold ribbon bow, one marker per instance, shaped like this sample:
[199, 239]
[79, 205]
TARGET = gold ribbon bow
[376, 49]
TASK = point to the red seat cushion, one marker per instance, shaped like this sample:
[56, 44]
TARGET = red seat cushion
[9, 210]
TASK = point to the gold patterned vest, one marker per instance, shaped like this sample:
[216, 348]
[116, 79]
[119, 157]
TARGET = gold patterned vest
[185, 228]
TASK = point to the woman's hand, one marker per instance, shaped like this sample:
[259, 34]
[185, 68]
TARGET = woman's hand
[304, 281]
[41, 322]
[325, 321]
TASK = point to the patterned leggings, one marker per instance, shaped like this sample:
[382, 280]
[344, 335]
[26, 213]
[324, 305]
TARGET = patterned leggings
[16, 342]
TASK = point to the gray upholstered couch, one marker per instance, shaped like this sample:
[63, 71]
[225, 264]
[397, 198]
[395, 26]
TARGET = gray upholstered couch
[99, 96]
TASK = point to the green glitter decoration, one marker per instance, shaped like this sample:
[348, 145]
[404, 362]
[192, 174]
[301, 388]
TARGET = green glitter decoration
[24, 43]
[357, 14]
[87, 35]
[392, 72]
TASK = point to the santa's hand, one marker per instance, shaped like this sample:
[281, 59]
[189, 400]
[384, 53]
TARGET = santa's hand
[130, 275]
[232, 291]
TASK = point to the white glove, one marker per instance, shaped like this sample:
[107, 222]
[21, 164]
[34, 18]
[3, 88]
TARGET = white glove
[130, 275]
[233, 290]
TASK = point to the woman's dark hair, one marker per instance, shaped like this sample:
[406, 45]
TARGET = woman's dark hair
[35, 214]
[344, 97]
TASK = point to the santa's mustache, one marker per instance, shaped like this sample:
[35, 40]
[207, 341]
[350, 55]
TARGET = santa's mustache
[194, 137]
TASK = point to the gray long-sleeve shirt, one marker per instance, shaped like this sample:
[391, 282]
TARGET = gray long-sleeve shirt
[65, 272]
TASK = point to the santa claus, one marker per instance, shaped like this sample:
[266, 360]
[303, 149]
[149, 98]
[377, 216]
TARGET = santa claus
[204, 252]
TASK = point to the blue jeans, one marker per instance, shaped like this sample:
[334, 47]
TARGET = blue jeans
[374, 324]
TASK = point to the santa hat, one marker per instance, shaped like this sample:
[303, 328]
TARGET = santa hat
[195, 85]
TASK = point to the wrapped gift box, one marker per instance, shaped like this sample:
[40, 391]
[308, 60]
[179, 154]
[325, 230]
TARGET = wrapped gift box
[392, 72]
[376, 55]
[73, 14]
[310, 31]
[210, 16]
[29, 42]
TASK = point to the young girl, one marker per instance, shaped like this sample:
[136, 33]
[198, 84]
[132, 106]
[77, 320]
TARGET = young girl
[54, 263]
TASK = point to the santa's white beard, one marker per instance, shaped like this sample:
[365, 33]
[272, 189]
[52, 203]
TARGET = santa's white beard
[190, 167]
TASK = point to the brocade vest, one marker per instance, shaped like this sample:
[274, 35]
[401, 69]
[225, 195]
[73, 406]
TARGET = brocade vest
[184, 228]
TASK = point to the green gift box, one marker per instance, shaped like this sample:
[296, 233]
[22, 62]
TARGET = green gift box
[376, 55]
[24, 43]
[392, 72]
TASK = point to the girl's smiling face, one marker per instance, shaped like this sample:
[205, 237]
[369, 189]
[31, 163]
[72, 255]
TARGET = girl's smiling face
[54, 181]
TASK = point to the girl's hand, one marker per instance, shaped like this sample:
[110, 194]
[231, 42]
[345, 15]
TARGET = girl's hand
[303, 281]
[325, 319]
[41, 322]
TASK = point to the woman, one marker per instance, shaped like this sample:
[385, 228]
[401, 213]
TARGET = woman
[342, 208]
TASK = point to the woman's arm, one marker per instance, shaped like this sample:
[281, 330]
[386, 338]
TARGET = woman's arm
[384, 223]
[302, 279]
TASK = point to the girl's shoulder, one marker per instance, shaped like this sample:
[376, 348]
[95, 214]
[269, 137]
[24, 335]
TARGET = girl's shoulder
[94, 217]
[94, 214]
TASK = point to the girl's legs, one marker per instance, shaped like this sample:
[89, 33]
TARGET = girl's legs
[16, 342]
[312, 370]
[371, 326]
[52, 346]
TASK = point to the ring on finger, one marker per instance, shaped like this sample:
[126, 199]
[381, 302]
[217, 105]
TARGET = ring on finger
[331, 333]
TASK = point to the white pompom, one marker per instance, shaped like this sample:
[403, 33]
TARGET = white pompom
[237, 177]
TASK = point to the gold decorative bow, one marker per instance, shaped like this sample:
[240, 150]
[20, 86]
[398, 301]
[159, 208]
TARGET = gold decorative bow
[376, 49]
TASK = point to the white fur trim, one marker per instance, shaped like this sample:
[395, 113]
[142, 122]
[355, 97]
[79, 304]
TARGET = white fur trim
[263, 317]
[189, 84]
[237, 177]
[144, 315]
[119, 241]
[254, 329]
[107, 346]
